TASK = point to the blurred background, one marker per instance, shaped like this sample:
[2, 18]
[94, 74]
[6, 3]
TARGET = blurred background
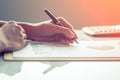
[79, 13]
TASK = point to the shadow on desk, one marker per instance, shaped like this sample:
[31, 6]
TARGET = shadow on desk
[9, 68]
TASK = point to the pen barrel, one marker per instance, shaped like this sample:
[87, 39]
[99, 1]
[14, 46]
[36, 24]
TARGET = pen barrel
[57, 22]
[54, 19]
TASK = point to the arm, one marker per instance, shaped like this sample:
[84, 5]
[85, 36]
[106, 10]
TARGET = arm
[48, 31]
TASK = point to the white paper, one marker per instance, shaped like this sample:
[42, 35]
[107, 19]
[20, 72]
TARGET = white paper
[83, 49]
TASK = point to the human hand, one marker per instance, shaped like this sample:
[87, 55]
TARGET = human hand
[47, 31]
[13, 36]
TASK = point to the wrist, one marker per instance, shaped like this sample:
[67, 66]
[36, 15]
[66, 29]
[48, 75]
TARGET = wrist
[28, 27]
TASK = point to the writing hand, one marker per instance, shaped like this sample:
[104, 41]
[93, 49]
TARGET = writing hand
[48, 31]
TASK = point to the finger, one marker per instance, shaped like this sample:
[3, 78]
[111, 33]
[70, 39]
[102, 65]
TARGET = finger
[19, 28]
[8, 24]
[18, 34]
[12, 23]
[70, 41]
[63, 39]
[23, 43]
[67, 24]
[24, 36]
[64, 31]
[63, 42]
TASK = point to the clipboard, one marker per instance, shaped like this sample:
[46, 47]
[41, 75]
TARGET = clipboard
[9, 57]
[77, 52]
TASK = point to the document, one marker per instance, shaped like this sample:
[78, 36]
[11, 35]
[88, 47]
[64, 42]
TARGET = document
[83, 49]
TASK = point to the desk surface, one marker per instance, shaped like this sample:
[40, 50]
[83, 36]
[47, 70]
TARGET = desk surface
[28, 70]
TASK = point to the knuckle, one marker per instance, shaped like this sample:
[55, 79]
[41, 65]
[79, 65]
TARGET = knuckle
[11, 22]
[19, 28]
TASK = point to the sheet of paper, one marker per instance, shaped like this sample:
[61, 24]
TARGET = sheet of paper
[83, 49]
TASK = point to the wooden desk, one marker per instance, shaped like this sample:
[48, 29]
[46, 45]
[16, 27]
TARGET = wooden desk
[11, 68]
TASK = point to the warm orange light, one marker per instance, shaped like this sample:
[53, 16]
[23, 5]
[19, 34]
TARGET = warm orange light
[103, 11]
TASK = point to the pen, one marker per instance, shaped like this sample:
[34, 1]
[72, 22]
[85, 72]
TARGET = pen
[55, 21]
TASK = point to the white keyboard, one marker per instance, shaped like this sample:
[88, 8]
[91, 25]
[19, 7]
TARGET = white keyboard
[110, 31]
